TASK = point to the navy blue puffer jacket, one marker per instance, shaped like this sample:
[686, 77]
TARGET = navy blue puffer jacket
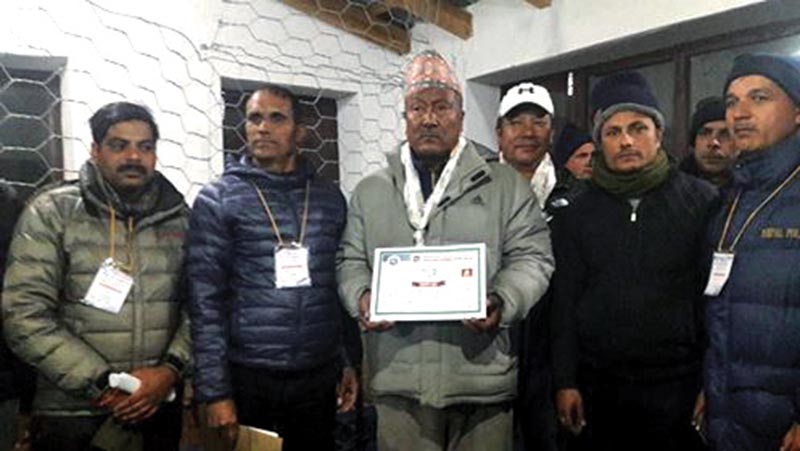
[237, 313]
[753, 363]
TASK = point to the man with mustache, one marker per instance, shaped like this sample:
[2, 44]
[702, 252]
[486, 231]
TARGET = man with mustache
[627, 310]
[266, 318]
[752, 379]
[93, 287]
[525, 134]
[449, 384]
[573, 153]
[713, 152]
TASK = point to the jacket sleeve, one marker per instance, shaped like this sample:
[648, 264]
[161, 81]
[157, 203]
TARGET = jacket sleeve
[351, 334]
[527, 258]
[31, 302]
[207, 268]
[353, 271]
[179, 352]
[568, 284]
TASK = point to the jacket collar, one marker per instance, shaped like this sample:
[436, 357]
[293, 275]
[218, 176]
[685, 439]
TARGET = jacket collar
[471, 170]
[245, 168]
[160, 199]
[767, 168]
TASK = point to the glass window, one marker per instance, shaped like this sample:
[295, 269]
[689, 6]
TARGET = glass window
[709, 70]
[30, 127]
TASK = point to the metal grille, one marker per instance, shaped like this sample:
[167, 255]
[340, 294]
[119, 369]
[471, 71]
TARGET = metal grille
[318, 115]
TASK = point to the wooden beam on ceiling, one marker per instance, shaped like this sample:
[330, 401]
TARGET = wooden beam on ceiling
[541, 3]
[358, 20]
[441, 13]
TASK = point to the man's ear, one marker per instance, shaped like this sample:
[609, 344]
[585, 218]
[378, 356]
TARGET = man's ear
[660, 136]
[797, 115]
[95, 151]
[300, 135]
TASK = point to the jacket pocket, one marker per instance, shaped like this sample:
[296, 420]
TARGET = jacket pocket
[482, 353]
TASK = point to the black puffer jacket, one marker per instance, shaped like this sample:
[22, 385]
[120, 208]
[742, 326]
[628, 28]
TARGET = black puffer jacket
[237, 313]
[628, 282]
[11, 207]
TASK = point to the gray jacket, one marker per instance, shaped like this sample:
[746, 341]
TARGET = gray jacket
[60, 241]
[444, 363]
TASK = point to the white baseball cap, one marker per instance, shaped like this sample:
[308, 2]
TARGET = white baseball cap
[526, 93]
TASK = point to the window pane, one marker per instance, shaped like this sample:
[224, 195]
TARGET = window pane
[30, 127]
[709, 70]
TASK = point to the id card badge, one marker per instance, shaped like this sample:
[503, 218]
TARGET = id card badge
[109, 288]
[291, 266]
[720, 271]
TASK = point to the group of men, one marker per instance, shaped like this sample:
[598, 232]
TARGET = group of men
[252, 289]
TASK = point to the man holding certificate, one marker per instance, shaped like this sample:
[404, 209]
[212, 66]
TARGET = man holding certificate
[441, 254]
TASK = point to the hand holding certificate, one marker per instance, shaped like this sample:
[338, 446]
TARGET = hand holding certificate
[433, 283]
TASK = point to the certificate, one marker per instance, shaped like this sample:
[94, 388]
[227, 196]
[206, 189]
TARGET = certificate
[432, 283]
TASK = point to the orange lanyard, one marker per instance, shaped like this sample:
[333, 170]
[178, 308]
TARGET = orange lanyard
[753, 214]
[112, 238]
[272, 221]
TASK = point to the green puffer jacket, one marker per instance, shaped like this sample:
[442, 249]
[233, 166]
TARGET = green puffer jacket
[59, 243]
[441, 364]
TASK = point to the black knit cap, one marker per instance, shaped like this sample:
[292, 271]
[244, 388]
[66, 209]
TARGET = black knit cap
[624, 91]
[782, 70]
[570, 139]
[707, 110]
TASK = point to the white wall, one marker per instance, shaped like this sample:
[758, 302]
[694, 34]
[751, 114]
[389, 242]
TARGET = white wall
[510, 33]
[513, 33]
[171, 54]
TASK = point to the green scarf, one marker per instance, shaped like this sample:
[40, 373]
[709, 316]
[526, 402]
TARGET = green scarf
[630, 184]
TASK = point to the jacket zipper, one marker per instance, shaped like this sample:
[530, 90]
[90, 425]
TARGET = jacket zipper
[634, 208]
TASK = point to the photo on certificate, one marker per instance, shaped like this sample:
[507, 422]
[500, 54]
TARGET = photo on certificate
[430, 283]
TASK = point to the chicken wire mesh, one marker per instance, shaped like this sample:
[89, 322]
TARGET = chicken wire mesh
[193, 68]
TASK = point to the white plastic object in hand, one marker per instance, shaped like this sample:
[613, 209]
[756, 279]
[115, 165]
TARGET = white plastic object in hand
[130, 384]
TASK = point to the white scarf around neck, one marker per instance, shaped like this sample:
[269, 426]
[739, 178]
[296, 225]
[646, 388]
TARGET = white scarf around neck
[419, 210]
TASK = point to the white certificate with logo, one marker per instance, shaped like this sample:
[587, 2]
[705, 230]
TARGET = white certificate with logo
[431, 283]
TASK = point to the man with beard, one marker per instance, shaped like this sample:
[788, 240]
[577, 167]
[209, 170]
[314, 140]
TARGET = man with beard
[441, 385]
[92, 287]
[627, 308]
[713, 150]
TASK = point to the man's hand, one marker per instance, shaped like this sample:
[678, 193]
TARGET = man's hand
[221, 415]
[569, 405]
[699, 415]
[157, 382]
[347, 390]
[791, 441]
[363, 308]
[109, 399]
[494, 310]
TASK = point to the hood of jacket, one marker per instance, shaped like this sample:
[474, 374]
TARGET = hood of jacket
[161, 198]
[246, 169]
